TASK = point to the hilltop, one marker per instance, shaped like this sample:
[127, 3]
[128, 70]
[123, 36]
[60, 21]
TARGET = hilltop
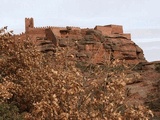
[69, 72]
[93, 45]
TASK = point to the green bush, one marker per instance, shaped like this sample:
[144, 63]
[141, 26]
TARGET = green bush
[157, 67]
[9, 112]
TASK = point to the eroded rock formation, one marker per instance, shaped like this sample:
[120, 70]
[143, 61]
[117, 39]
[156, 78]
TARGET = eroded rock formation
[98, 45]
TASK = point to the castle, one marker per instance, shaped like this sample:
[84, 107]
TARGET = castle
[95, 45]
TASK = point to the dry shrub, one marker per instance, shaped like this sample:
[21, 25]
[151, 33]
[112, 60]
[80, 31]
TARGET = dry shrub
[51, 87]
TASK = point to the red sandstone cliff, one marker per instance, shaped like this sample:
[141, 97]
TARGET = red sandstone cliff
[98, 45]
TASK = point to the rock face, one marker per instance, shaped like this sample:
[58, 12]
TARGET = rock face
[98, 45]
[145, 87]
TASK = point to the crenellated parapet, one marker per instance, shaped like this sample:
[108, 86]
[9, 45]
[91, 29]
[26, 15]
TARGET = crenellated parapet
[20, 34]
[46, 27]
[28, 18]
[56, 27]
[73, 27]
[29, 27]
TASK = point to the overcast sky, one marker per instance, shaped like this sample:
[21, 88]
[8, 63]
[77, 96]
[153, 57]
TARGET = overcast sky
[139, 17]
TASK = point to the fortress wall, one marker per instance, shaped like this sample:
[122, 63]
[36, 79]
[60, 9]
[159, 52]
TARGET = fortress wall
[36, 31]
[50, 35]
[21, 36]
[74, 28]
[104, 30]
[60, 28]
[46, 27]
[56, 31]
[33, 33]
[111, 29]
[115, 28]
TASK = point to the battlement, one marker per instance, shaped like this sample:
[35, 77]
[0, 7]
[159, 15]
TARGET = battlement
[46, 27]
[20, 34]
[30, 29]
[28, 18]
[74, 28]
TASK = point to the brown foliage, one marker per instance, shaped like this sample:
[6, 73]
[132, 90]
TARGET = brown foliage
[50, 87]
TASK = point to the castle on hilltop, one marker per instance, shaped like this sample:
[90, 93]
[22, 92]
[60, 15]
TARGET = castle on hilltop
[97, 45]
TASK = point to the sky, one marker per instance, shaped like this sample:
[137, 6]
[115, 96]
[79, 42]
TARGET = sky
[141, 18]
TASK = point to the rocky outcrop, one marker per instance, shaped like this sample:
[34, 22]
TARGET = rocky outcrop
[45, 45]
[144, 86]
[97, 46]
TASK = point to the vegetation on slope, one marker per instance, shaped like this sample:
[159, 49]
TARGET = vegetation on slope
[44, 87]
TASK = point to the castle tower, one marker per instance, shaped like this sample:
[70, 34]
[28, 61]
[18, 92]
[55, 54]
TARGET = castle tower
[29, 23]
